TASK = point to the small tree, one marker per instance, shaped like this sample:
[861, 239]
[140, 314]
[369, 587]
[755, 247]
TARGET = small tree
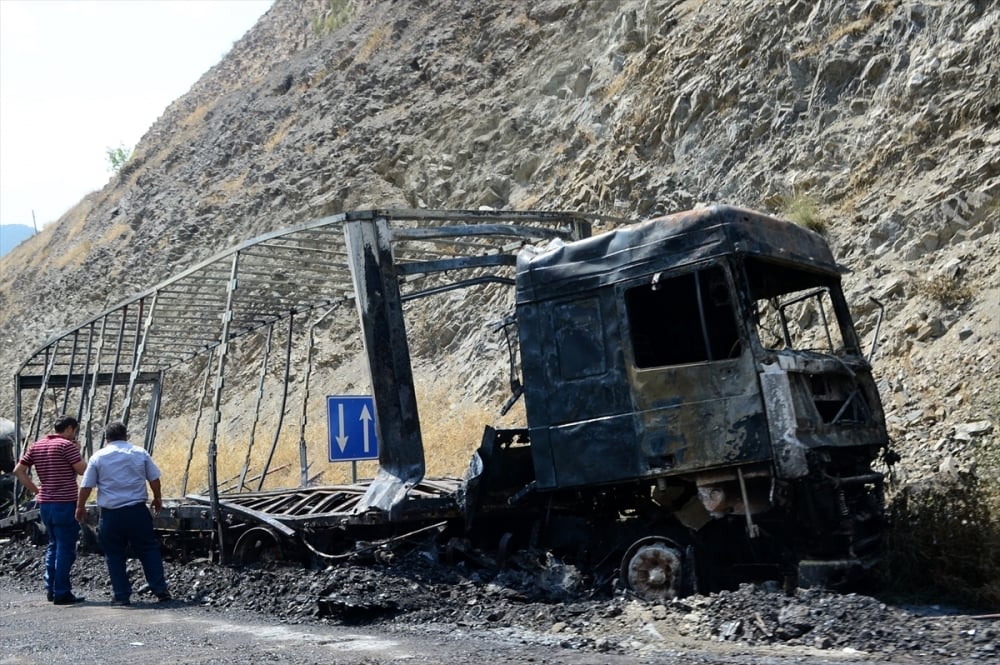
[117, 157]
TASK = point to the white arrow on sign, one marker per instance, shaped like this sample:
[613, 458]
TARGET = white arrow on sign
[366, 417]
[341, 439]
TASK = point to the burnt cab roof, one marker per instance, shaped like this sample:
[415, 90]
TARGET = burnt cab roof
[664, 243]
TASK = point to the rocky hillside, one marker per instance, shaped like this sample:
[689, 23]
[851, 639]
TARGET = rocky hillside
[875, 121]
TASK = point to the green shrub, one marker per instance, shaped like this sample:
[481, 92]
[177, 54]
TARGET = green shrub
[117, 158]
[337, 13]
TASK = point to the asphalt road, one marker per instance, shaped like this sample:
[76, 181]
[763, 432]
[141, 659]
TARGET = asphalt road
[35, 632]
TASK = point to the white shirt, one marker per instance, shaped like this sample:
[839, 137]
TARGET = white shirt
[120, 471]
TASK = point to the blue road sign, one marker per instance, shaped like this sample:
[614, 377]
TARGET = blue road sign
[351, 427]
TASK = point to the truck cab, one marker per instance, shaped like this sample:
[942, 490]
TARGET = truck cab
[703, 369]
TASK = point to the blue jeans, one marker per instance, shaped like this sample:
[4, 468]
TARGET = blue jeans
[119, 528]
[63, 530]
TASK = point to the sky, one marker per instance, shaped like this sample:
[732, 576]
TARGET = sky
[78, 77]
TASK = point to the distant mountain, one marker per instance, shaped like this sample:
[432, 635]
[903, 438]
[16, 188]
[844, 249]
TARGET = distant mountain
[11, 235]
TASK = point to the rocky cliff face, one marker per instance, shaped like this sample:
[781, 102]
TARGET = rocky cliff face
[874, 119]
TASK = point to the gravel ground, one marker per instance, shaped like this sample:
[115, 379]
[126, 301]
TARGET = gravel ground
[545, 606]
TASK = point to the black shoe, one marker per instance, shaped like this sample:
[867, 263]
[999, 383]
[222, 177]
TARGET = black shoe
[68, 599]
[51, 596]
[163, 597]
[120, 603]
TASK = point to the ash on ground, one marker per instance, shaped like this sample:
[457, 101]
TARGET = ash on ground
[538, 599]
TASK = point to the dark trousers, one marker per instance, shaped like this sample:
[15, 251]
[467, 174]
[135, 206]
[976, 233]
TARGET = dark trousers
[132, 526]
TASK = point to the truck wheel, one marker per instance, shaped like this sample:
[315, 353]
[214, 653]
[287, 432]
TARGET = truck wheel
[256, 545]
[653, 569]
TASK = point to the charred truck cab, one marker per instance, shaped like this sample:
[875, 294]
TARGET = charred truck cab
[698, 406]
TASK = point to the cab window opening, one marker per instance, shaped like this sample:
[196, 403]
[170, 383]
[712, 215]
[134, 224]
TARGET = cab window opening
[682, 319]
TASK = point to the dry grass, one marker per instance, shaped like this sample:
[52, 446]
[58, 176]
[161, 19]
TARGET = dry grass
[614, 88]
[233, 185]
[864, 176]
[375, 42]
[173, 448]
[944, 545]
[853, 28]
[318, 77]
[524, 23]
[587, 134]
[115, 234]
[280, 134]
[74, 256]
[529, 201]
[804, 211]
[451, 432]
[196, 117]
[949, 291]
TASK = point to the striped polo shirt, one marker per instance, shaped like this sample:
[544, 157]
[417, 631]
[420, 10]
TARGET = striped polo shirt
[53, 458]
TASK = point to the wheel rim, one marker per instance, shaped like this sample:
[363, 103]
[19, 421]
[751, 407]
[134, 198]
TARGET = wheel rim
[258, 544]
[651, 568]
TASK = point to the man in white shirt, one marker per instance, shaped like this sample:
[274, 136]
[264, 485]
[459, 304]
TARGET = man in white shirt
[119, 471]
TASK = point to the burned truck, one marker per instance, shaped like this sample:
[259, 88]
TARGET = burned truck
[698, 408]
[698, 404]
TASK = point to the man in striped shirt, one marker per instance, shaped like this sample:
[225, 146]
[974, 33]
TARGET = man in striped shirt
[57, 462]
